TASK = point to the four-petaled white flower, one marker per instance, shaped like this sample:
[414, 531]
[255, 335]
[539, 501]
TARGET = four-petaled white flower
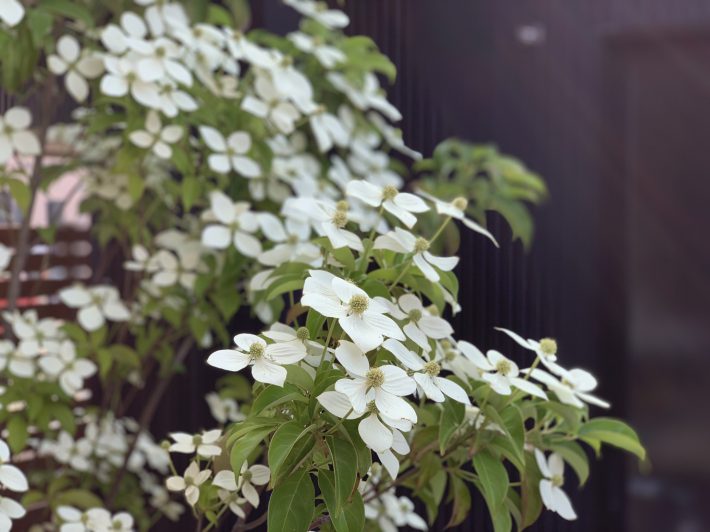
[190, 482]
[15, 135]
[502, 374]
[328, 130]
[223, 409]
[456, 209]
[121, 78]
[155, 136]
[292, 240]
[399, 204]
[77, 67]
[269, 103]
[228, 491]
[572, 387]
[9, 508]
[553, 497]
[403, 241]
[545, 349]
[422, 324]
[10, 476]
[360, 316]
[205, 444]
[65, 366]
[319, 11]
[249, 476]
[236, 223]
[266, 360]
[15, 361]
[95, 304]
[11, 13]
[327, 55]
[229, 153]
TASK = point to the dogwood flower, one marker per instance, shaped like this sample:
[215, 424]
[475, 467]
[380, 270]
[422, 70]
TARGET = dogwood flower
[163, 61]
[269, 103]
[205, 444]
[10, 477]
[236, 223]
[456, 209]
[368, 95]
[129, 35]
[292, 243]
[361, 317]
[401, 511]
[228, 491]
[9, 508]
[328, 56]
[250, 476]
[330, 220]
[11, 13]
[387, 457]
[328, 130]
[36, 336]
[318, 11]
[572, 387]
[402, 241]
[399, 204]
[545, 349]
[223, 409]
[161, 15]
[172, 99]
[156, 137]
[95, 304]
[122, 78]
[552, 469]
[502, 374]
[266, 360]
[70, 371]
[76, 453]
[77, 67]
[229, 153]
[16, 362]
[15, 135]
[190, 482]
[422, 324]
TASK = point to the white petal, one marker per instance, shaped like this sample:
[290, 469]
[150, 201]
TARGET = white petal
[390, 462]
[228, 359]
[529, 387]
[247, 244]
[216, 236]
[453, 390]
[337, 404]
[90, 318]
[12, 478]
[375, 435]
[394, 407]
[113, 85]
[260, 474]
[383, 324]
[76, 86]
[352, 358]
[219, 163]
[18, 118]
[397, 381]
[356, 392]
[225, 479]
[443, 263]
[246, 166]
[429, 388]
[141, 138]
[360, 332]
[268, 372]
[429, 272]
[404, 355]
[26, 142]
[562, 504]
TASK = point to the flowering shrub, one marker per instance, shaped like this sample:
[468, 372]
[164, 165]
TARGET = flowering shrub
[230, 170]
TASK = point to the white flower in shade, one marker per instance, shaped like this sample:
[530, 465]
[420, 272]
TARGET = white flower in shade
[15, 361]
[223, 409]
[401, 511]
[9, 508]
[10, 477]
[462, 357]
[553, 497]
[502, 374]
[422, 324]
[179, 265]
[319, 11]
[330, 220]
[392, 136]
[269, 103]
[328, 56]
[75, 453]
[229, 153]
[399, 204]
[96, 304]
[190, 482]
[35, 335]
[205, 445]
[367, 95]
[328, 130]
[77, 67]
[402, 241]
[172, 99]
[456, 209]
[228, 491]
[292, 243]
[11, 13]
[361, 317]
[162, 16]
[236, 223]
[156, 137]
[122, 522]
[385, 385]
[6, 254]
[545, 349]
[163, 61]
[160, 500]
[128, 36]
[388, 458]
[15, 135]
[373, 165]
[266, 360]
[250, 476]
[572, 387]
[67, 368]
[121, 78]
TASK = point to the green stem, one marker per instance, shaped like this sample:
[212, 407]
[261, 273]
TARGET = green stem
[327, 342]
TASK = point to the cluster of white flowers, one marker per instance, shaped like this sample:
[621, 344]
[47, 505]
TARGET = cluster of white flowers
[12, 479]
[93, 520]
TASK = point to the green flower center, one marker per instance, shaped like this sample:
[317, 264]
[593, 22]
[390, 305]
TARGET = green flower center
[375, 377]
[557, 480]
[504, 367]
[548, 346]
[340, 219]
[432, 369]
[303, 334]
[246, 476]
[421, 245]
[358, 303]
[460, 203]
[342, 205]
[256, 350]
[389, 192]
[415, 315]
[197, 440]
[371, 407]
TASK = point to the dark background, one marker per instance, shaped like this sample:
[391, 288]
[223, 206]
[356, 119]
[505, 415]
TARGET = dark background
[610, 101]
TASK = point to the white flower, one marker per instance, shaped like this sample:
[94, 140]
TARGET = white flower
[6, 254]
[235, 227]
[10, 477]
[361, 317]
[330, 18]
[163, 62]
[328, 130]
[71, 371]
[545, 349]
[155, 136]
[122, 78]
[96, 304]
[15, 136]
[9, 508]
[292, 242]
[572, 387]
[69, 60]
[121, 522]
[75, 453]
[392, 136]
[328, 56]
[267, 360]
[223, 409]
[456, 209]
[502, 373]
[399, 204]
[178, 265]
[554, 499]
[172, 99]
[401, 511]
[162, 15]
[402, 241]
[190, 482]
[16, 362]
[249, 476]
[330, 220]
[11, 13]
[205, 444]
[269, 103]
[421, 324]
[130, 35]
[367, 95]
[228, 491]
[35, 335]
[230, 153]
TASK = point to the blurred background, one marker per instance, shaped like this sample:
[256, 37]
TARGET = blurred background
[609, 100]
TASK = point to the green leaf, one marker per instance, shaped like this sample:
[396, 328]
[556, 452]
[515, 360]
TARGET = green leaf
[352, 516]
[492, 475]
[613, 432]
[82, 499]
[272, 396]
[69, 9]
[345, 468]
[290, 443]
[291, 504]
[16, 433]
[452, 414]
[20, 193]
[190, 191]
[244, 445]
[461, 495]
